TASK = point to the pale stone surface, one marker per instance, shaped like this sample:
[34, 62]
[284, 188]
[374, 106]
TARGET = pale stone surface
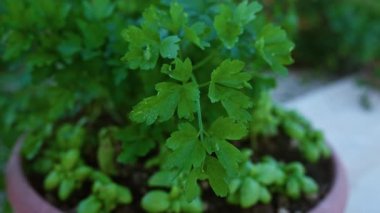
[354, 134]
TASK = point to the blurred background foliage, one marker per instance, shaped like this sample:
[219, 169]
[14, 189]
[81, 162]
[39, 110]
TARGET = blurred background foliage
[336, 37]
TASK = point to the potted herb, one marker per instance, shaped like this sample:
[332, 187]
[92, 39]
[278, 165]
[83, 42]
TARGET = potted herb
[184, 124]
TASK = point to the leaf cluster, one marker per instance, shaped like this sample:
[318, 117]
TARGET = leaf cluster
[172, 84]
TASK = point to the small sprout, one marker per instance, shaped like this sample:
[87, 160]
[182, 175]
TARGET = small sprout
[156, 201]
[90, 205]
[250, 193]
[265, 196]
[70, 159]
[309, 186]
[293, 188]
[66, 187]
[52, 180]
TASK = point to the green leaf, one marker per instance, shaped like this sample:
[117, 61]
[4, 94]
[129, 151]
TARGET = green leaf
[82, 172]
[310, 151]
[236, 104]
[89, 205]
[221, 130]
[294, 129]
[187, 149]
[124, 195]
[275, 48]
[66, 187]
[143, 51]
[225, 80]
[245, 12]
[189, 95]
[269, 174]
[293, 188]
[216, 176]
[106, 152]
[194, 206]
[182, 71]
[94, 34]
[178, 17]
[250, 193]
[70, 159]
[229, 156]
[133, 149]
[33, 142]
[227, 28]
[69, 46]
[192, 189]
[227, 128]
[108, 192]
[169, 47]
[163, 178]
[229, 74]
[156, 201]
[98, 9]
[135, 144]
[234, 185]
[197, 33]
[52, 180]
[17, 43]
[185, 133]
[309, 186]
[70, 137]
[265, 196]
[163, 105]
[152, 18]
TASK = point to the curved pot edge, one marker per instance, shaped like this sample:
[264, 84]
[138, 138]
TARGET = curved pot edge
[32, 202]
[21, 195]
[336, 199]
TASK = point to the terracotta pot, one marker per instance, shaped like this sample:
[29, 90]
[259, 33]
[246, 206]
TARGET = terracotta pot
[335, 200]
[24, 199]
[22, 196]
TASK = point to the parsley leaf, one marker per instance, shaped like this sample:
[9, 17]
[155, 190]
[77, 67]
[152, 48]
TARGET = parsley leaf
[143, 49]
[221, 130]
[226, 27]
[187, 149]
[247, 12]
[182, 71]
[98, 9]
[225, 80]
[274, 47]
[169, 47]
[178, 17]
[197, 33]
[227, 128]
[216, 174]
[229, 24]
[170, 96]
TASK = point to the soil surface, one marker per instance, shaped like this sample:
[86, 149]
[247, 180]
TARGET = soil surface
[280, 147]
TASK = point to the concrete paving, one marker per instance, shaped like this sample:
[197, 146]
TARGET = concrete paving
[354, 133]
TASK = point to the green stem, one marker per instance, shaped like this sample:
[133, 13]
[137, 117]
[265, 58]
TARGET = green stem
[199, 112]
[204, 61]
[204, 84]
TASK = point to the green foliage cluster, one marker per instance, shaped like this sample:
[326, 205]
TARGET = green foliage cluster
[334, 35]
[258, 181]
[168, 86]
[270, 119]
[346, 36]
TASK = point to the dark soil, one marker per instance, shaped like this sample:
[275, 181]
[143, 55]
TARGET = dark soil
[280, 147]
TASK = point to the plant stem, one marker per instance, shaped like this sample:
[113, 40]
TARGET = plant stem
[204, 61]
[199, 112]
[204, 84]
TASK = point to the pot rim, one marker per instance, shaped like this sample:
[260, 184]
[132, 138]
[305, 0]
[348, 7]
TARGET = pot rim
[17, 184]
